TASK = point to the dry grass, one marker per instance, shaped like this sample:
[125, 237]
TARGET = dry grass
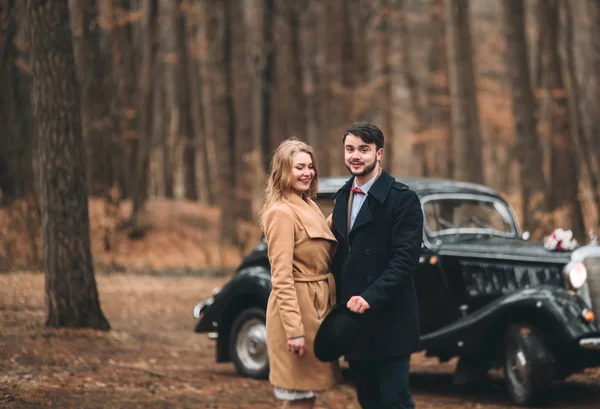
[179, 236]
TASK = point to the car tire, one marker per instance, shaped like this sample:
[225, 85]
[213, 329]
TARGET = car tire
[248, 344]
[529, 366]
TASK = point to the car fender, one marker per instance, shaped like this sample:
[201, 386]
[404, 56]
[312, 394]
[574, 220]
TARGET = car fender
[554, 309]
[251, 283]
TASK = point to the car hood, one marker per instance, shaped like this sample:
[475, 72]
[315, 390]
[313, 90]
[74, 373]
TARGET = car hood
[505, 248]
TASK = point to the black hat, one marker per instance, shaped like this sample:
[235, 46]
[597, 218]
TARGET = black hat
[337, 334]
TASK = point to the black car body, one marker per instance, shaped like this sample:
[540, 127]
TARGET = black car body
[486, 294]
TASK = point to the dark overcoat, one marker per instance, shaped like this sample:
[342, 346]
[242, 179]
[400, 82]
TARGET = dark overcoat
[377, 260]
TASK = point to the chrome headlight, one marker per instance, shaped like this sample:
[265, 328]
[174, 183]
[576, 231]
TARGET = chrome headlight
[576, 274]
[200, 307]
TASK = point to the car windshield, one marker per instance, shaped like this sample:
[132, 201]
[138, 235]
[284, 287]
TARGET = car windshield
[467, 214]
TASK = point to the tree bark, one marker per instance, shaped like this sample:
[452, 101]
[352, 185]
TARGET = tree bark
[589, 168]
[254, 12]
[334, 98]
[224, 121]
[534, 202]
[180, 133]
[95, 112]
[158, 176]
[414, 154]
[564, 186]
[124, 70]
[71, 294]
[308, 61]
[208, 69]
[8, 140]
[440, 116]
[387, 124]
[374, 31]
[203, 183]
[140, 164]
[466, 131]
[594, 105]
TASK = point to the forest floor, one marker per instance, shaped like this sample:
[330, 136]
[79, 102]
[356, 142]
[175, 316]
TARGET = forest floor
[151, 358]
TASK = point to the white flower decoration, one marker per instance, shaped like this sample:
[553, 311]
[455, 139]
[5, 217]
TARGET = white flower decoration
[560, 240]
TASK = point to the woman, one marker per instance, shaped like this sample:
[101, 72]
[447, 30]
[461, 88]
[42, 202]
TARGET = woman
[300, 248]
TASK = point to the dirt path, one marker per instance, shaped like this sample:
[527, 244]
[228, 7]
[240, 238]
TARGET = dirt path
[152, 359]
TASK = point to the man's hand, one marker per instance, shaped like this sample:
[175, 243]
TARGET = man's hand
[330, 221]
[357, 304]
[296, 346]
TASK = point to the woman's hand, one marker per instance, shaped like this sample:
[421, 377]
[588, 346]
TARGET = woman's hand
[296, 346]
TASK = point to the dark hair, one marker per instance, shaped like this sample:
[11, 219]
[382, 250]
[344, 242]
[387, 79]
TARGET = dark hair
[367, 131]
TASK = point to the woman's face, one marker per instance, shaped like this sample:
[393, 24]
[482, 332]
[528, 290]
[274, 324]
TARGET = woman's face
[303, 172]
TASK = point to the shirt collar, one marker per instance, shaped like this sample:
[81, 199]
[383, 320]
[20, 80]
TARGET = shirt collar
[367, 186]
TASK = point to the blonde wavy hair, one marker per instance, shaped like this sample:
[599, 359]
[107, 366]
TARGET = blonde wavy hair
[280, 177]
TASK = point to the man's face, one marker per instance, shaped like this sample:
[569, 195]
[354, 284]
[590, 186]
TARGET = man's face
[360, 157]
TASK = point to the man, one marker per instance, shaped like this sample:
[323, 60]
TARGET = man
[378, 223]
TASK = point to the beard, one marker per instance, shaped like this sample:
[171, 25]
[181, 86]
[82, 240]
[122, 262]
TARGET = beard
[367, 168]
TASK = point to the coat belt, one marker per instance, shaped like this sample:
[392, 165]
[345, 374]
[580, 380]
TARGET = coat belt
[313, 278]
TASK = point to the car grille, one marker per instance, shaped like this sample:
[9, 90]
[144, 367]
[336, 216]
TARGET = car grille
[486, 278]
[593, 268]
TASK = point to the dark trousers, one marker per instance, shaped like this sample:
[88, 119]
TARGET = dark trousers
[382, 384]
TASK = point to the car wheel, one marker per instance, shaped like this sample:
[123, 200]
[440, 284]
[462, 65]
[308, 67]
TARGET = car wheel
[528, 364]
[248, 344]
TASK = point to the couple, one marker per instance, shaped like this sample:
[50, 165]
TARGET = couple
[371, 243]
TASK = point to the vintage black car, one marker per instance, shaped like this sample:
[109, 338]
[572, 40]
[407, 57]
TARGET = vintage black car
[487, 294]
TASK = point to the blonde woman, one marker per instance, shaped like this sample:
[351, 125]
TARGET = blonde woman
[300, 248]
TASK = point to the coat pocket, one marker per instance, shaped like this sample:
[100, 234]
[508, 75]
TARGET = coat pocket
[316, 304]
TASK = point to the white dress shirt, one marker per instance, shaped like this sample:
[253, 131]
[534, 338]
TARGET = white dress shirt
[358, 200]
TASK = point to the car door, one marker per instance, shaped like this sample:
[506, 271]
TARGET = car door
[438, 304]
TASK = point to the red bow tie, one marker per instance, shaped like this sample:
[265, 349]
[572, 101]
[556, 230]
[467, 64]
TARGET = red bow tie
[357, 191]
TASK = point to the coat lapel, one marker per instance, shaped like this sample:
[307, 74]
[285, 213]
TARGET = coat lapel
[377, 193]
[311, 218]
[363, 217]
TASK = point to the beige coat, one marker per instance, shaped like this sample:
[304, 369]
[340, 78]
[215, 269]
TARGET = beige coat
[301, 247]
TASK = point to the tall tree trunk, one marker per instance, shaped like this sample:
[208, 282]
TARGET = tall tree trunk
[203, 183]
[259, 61]
[241, 142]
[387, 123]
[125, 107]
[224, 121]
[268, 79]
[466, 131]
[210, 32]
[180, 135]
[8, 148]
[308, 61]
[71, 294]
[332, 106]
[584, 155]
[95, 112]
[533, 197]
[299, 123]
[439, 95]
[144, 135]
[564, 186]
[414, 155]
[287, 91]
[157, 178]
[374, 31]
[594, 105]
